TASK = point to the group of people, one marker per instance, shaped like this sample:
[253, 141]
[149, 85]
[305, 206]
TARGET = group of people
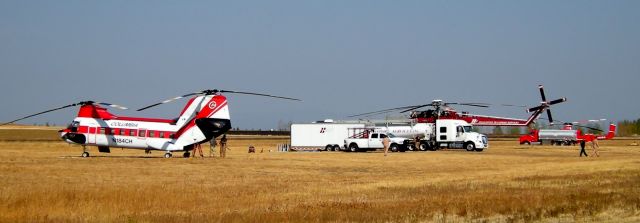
[594, 147]
[212, 147]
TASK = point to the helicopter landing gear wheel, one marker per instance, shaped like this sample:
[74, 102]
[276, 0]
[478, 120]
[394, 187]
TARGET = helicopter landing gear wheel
[186, 154]
[167, 155]
[85, 154]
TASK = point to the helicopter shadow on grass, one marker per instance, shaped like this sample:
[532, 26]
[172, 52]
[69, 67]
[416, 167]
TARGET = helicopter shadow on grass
[115, 157]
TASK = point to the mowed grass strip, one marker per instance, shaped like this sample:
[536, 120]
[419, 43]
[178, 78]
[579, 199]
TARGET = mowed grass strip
[48, 181]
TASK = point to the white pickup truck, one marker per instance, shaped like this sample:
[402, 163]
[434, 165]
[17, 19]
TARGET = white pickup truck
[367, 139]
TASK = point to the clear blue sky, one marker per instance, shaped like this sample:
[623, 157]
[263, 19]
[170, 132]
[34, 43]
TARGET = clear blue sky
[340, 57]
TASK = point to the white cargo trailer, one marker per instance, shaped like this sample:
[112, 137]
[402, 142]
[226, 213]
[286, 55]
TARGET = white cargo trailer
[318, 136]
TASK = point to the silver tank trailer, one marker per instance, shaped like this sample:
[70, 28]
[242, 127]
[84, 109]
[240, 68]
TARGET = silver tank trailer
[555, 134]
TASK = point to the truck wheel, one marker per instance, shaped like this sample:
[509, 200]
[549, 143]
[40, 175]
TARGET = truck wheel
[469, 146]
[353, 147]
[336, 148]
[327, 148]
[423, 147]
[527, 142]
[433, 147]
[394, 148]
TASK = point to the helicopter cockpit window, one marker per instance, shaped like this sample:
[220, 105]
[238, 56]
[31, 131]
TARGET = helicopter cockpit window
[73, 126]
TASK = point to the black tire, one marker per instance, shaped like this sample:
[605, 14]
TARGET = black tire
[336, 148]
[186, 154]
[353, 147]
[470, 146]
[433, 147]
[85, 154]
[167, 155]
[394, 148]
[527, 142]
[423, 147]
[328, 148]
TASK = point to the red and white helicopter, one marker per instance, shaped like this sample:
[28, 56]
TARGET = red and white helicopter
[204, 117]
[442, 110]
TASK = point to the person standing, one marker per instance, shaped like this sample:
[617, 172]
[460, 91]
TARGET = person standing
[197, 148]
[582, 151]
[417, 142]
[385, 143]
[212, 147]
[223, 146]
[595, 146]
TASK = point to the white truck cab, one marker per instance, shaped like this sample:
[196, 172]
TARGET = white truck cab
[454, 133]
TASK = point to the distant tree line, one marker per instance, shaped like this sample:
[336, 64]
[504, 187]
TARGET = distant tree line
[628, 128]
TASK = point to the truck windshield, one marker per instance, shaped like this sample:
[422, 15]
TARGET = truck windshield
[467, 129]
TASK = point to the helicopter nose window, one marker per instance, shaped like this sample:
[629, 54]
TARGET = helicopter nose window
[74, 126]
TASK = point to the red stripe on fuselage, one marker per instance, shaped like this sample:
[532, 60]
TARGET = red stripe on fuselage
[203, 114]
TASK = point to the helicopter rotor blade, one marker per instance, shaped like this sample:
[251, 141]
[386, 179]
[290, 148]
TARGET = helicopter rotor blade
[258, 94]
[112, 105]
[381, 111]
[587, 127]
[560, 100]
[39, 113]
[535, 108]
[510, 105]
[482, 105]
[170, 100]
[549, 115]
[415, 107]
[542, 93]
[215, 91]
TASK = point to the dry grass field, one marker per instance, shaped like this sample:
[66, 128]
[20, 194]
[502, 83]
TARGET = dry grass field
[47, 181]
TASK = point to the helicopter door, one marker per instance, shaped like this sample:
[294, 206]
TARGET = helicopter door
[93, 131]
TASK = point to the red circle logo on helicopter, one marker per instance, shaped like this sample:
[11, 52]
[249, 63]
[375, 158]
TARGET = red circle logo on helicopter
[212, 105]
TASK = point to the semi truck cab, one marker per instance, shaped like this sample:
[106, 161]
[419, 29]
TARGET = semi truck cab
[457, 134]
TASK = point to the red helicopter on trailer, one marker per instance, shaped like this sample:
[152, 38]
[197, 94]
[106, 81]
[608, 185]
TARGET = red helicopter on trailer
[204, 117]
[567, 135]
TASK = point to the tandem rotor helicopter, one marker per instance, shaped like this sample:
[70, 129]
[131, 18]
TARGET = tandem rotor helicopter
[205, 116]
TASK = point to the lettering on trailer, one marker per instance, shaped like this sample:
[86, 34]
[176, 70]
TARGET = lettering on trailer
[403, 131]
[120, 141]
[476, 121]
[323, 129]
[123, 124]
